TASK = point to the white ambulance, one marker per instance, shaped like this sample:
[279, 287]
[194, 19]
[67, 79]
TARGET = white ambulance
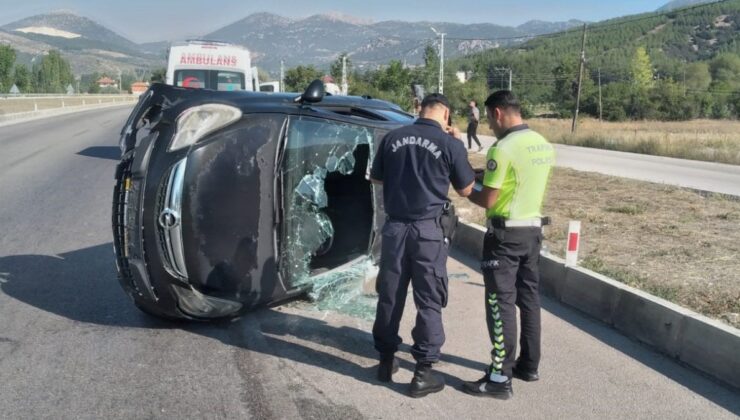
[211, 65]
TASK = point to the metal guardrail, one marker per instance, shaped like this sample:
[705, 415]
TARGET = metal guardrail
[21, 105]
[58, 96]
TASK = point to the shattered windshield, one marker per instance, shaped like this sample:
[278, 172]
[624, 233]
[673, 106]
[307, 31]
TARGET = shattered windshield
[328, 210]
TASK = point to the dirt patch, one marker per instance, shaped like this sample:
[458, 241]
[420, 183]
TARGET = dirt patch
[722, 21]
[671, 242]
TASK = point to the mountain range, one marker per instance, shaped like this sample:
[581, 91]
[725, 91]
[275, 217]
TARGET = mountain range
[677, 4]
[318, 40]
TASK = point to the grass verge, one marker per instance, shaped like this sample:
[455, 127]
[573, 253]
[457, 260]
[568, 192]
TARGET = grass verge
[706, 140]
[668, 241]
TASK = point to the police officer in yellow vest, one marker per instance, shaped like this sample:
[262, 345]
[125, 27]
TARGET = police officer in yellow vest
[514, 184]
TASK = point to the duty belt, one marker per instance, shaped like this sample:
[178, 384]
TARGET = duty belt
[501, 223]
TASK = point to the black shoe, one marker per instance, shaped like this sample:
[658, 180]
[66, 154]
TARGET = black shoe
[484, 387]
[387, 367]
[526, 375]
[425, 381]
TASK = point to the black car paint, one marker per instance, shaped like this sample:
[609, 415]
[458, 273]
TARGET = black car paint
[231, 203]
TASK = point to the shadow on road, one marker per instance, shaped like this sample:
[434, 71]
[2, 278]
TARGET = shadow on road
[277, 333]
[102, 152]
[82, 286]
[79, 285]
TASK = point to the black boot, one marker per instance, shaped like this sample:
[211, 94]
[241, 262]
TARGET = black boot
[425, 381]
[387, 367]
[527, 375]
[484, 387]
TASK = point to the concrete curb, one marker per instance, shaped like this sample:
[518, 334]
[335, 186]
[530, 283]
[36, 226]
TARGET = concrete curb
[702, 343]
[21, 117]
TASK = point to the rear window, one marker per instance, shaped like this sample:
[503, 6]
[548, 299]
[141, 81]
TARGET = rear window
[209, 79]
[393, 115]
[195, 79]
[229, 80]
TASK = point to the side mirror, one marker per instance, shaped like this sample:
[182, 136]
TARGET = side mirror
[314, 93]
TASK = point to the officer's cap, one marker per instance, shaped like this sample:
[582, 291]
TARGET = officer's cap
[434, 99]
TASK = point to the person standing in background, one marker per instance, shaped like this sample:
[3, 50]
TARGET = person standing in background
[473, 120]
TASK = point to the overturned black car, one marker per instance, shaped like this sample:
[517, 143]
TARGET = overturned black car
[225, 201]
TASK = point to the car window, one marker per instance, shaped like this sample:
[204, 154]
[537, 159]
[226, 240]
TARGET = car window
[195, 79]
[229, 80]
[210, 79]
[396, 116]
[314, 149]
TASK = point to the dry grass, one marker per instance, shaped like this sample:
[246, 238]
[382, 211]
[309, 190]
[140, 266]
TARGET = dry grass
[668, 241]
[16, 105]
[707, 140]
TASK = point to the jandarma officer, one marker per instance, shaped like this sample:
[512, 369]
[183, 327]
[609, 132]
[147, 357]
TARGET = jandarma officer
[416, 164]
[514, 184]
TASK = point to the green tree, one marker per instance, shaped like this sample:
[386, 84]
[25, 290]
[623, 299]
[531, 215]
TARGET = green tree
[159, 75]
[394, 84]
[670, 103]
[616, 99]
[642, 70]
[53, 74]
[88, 83]
[22, 78]
[698, 76]
[565, 92]
[725, 70]
[429, 76]
[335, 69]
[7, 60]
[298, 78]
[126, 80]
[460, 94]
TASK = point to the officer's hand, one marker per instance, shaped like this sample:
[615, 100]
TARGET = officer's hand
[454, 132]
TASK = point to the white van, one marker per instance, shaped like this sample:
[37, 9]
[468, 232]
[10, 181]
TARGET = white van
[211, 65]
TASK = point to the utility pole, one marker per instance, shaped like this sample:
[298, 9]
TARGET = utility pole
[442, 63]
[600, 112]
[580, 82]
[282, 75]
[345, 86]
[441, 60]
[504, 70]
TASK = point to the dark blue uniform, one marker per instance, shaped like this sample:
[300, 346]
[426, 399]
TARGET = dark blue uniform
[416, 164]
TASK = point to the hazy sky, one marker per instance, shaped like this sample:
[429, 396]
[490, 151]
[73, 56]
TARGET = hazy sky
[158, 20]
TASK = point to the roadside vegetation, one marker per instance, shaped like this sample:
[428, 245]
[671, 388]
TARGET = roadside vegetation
[706, 140]
[671, 242]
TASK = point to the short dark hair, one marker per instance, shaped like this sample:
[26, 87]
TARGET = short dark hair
[504, 99]
[435, 99]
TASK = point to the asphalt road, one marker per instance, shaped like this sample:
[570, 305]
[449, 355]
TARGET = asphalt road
[73, 346]
[705, 176]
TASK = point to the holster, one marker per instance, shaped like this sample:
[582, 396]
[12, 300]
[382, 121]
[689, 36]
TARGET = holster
[448, 221]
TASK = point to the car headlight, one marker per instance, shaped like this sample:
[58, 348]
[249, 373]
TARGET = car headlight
[199, 121]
